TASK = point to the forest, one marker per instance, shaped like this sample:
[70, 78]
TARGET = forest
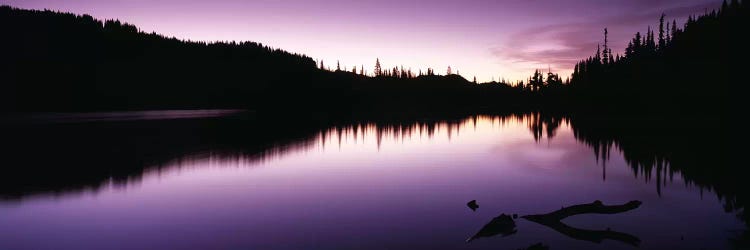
[670, 69]
[64, 62]
[647, 101]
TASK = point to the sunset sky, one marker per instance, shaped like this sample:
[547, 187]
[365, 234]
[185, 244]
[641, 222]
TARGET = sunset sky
[483, 38]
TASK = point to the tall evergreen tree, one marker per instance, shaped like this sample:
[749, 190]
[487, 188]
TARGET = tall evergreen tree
[662, 42]
[378, 69]
[606, 48]
[629, 49]
[637, 42]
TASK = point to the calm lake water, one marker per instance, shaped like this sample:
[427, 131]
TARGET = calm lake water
[361, 186]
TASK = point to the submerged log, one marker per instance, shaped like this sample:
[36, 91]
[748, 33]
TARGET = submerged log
[552, 220]
[596, 236]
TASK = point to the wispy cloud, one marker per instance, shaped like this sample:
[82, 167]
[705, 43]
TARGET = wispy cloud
[562, 45]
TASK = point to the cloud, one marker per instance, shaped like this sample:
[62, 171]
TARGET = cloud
[562, 45]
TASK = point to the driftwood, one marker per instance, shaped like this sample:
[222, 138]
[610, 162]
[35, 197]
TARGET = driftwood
[552, 220]
[595, 207]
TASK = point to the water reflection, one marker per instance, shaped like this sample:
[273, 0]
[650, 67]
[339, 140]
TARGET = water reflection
[377, 171]
[57, 158]
[119, 116]
[554, 220]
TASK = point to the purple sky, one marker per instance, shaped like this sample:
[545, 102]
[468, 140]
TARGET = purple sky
[483, 38]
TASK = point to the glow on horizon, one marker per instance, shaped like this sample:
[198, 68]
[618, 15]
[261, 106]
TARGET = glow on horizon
[487, 39]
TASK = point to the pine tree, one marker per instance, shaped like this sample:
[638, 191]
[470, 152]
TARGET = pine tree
[606, 49]
[662, 43]
[650, 41]
[629, 49]
[378, 70]
[637, 42]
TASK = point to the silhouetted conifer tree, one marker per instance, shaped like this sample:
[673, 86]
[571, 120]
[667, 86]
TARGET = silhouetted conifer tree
[606, 48]
[378, 69]
[662, 42]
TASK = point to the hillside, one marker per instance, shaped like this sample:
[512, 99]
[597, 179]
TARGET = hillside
[670, 69]
[65, 62]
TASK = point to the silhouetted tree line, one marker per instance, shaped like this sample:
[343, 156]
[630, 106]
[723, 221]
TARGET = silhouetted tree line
[670, 70]
[55, 61]
[62, 61]
[58, 61]
[406, 90]
[666, 104]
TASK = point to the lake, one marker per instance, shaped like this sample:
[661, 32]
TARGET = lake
[180, 184]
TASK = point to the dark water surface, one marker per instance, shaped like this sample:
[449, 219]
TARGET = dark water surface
[363, 185]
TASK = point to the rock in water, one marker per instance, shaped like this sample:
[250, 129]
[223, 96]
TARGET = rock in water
[473, 205]
[501, 225]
